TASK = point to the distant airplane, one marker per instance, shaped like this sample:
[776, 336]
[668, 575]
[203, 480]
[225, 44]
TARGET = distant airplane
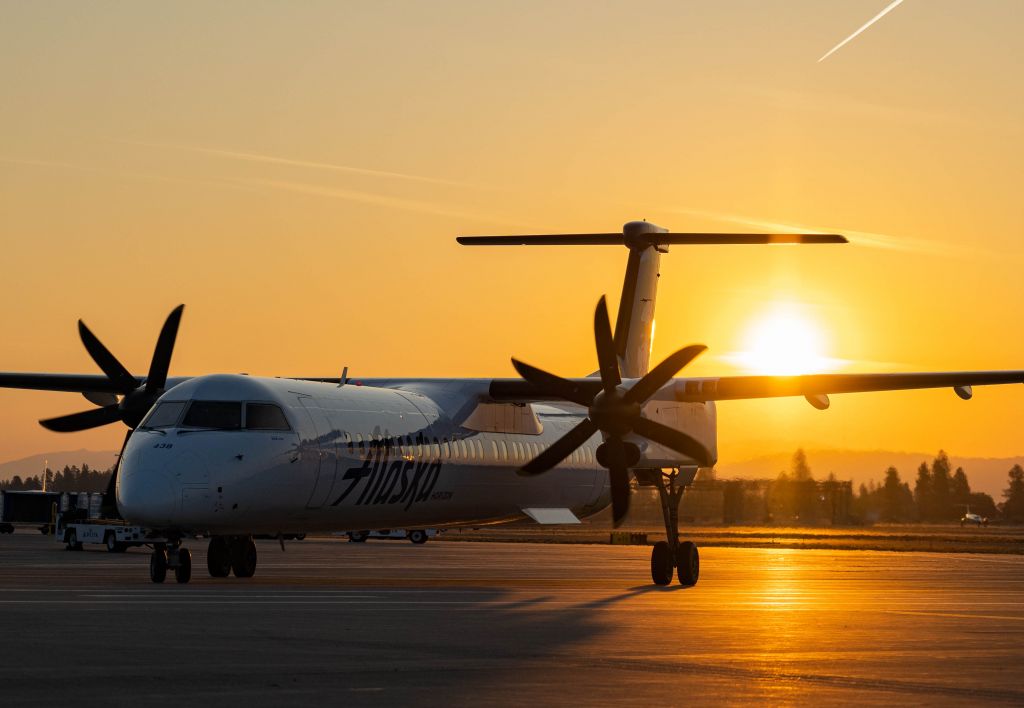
[236, 456]
[969, 518]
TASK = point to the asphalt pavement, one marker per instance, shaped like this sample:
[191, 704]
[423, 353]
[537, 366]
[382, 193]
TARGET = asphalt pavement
[389, 623]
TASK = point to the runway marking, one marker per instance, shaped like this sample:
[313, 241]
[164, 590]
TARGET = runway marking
[956, 615]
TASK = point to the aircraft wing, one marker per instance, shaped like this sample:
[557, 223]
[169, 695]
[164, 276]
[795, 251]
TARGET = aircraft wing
[815, 387]
[73, 383]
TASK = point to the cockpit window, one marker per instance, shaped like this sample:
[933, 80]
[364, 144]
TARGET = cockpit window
[164, 415]
[264, 416]
[222, 415]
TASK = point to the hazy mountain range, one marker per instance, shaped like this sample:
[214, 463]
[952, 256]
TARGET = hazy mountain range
[34, 465]
[985, 474]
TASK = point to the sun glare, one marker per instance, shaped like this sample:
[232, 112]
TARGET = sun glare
[784, 341]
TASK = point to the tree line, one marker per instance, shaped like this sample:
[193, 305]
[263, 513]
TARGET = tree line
[70, 479]
[939, 494]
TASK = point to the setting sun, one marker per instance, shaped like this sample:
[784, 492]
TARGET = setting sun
[784, 341]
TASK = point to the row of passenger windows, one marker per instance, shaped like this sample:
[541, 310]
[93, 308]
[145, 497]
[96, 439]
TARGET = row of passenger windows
[472, 449]
[219, 415]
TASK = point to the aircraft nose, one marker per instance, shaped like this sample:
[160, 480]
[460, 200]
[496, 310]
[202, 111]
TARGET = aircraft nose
[146, 495]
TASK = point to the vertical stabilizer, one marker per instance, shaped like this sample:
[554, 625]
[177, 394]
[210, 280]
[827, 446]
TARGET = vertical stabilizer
[634, 328]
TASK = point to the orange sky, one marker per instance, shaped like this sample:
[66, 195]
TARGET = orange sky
[152, 154]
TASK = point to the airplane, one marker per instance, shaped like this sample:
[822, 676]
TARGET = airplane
[969, 518]
[232, 456]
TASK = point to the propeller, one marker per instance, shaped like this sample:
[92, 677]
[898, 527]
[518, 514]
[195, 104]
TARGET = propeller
[135, 400]
[616, 411]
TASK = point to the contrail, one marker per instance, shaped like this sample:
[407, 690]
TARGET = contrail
[889, 8]
[270, 159]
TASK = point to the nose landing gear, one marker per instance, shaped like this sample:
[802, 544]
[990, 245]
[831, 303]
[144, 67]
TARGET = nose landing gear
[671, 554]
[175, 558]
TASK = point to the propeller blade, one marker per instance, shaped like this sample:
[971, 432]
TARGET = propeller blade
[100, 398]
[555, 384]
[662, 374]
[619, 478]
[161, 362]
[83, 421]
[607, 359]
[672, 439]
[560, 449]
[108, 363]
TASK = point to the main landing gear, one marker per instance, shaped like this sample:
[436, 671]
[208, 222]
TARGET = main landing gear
[226, 555]
[673, 553]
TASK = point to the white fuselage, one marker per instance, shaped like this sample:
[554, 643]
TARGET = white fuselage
[351, 457]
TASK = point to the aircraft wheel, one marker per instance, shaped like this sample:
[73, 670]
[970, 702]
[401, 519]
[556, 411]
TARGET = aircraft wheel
[688, 563]
[661, 563]
[418, 537]
[218, 557]
[358, 536]
[183, 570]
[158, 565]
[243, 557]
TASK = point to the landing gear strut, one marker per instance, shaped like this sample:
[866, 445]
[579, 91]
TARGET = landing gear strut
[672, 553]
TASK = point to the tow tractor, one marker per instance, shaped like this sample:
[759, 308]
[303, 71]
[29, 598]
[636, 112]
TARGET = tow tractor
[118, 536]
[417, 536]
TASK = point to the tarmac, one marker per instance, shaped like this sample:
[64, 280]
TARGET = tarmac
[389, 623]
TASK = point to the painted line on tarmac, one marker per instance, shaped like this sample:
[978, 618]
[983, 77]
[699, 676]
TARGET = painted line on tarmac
[956, 615]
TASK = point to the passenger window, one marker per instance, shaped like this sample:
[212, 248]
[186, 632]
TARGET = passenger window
[264, 416]
[164, 415]
[218, 415]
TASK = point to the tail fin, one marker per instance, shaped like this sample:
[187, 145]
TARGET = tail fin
[634, 327]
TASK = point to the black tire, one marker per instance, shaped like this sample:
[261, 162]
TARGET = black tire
[218, 557]
[688, 563]
[358, 536]
[661, 563]
[243, 557]
[111, 543]
[183, 570]
[418, 536]
[158, 565]
[73, 543]
[300, 537]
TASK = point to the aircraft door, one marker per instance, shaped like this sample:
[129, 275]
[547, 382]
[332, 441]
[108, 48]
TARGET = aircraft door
[323, 448]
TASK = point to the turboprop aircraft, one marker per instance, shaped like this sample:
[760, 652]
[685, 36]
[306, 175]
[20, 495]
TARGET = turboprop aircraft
[235, 456]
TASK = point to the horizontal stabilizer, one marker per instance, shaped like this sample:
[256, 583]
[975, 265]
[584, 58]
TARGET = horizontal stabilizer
[651, 238]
